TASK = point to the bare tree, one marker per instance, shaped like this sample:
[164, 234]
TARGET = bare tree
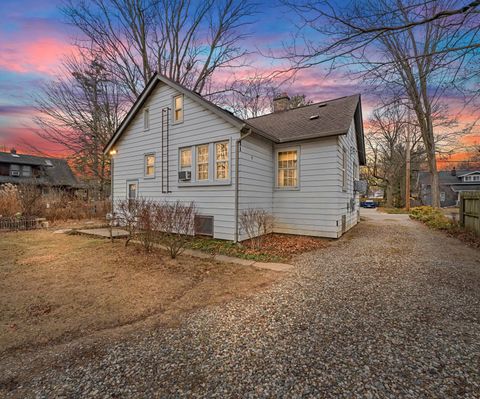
[80, 110]
[299, 100]
[249, 97]
[184, 40]
[386, 139]
[412, 61]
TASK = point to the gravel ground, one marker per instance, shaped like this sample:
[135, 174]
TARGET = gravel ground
[391, 310]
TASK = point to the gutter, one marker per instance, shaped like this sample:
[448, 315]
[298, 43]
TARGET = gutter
[237, 175]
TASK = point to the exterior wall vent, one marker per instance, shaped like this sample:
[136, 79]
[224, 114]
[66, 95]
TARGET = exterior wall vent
[204, 225]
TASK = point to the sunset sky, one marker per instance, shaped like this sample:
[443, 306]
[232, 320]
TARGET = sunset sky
[33, 40]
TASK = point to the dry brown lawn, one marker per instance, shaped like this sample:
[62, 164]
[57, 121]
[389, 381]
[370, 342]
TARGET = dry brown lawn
[56, 287]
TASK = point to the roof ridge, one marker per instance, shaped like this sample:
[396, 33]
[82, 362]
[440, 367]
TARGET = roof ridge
[306, 105]
[31, 155]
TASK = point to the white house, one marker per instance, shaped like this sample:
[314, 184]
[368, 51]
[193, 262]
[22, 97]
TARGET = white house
[298, 164]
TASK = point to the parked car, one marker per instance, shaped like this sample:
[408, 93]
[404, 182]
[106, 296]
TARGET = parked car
[368, 204]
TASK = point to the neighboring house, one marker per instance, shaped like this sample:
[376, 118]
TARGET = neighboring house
[44, 172]
[298, 164]
[452, 183]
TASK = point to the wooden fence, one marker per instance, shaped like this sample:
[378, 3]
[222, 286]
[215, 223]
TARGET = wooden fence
[21, 223]
[470, 211]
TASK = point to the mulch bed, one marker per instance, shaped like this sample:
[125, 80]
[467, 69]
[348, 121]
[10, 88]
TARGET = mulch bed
[285, 246]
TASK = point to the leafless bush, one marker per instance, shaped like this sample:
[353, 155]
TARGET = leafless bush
[30, 196]
[146, 223]
[60, 205]
[256, 223]
[9, 200]
[176, 222]
[126, 212]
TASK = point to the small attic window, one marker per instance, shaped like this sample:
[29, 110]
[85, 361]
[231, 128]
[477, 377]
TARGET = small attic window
[314, 117]
[322, 105]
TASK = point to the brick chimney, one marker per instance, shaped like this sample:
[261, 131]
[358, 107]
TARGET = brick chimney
[281, 103]
[454, 171]
[13, 151]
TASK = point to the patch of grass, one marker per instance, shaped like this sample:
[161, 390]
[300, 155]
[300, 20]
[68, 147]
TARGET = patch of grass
[436, 219]
[58, 287]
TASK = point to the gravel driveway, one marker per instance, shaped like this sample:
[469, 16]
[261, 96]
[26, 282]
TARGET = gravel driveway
[390, 310]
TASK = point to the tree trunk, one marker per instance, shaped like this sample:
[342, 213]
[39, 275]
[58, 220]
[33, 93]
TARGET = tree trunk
[435, 181]
[389, 195]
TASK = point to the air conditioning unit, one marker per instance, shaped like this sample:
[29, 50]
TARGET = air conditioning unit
[360, 186]
[15, 173]
[185, 175]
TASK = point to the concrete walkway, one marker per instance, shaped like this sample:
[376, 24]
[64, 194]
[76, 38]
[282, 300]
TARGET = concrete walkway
[119, 233]
[104, 233]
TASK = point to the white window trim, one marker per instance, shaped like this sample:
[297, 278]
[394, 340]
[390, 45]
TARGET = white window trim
[146, 119]
[215, 161]
[174, 121]
[145, 165]
[285, 149]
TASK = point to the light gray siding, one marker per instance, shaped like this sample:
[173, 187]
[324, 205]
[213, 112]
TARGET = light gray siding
[256, 175]
[349, 142]
[313, 208]
[200, 126]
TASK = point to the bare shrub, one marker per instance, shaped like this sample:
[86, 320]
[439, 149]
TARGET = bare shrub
[126, 212]
[9, 200]
[146, 224]
[176, 222]
[256, 223]
[60, 205]
[30, 196]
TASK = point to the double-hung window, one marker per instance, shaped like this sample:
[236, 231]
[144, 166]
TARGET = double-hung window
[221, 160]
[26, 171]
[185, 158]
[132, 193]
[287, 169]
[178, 108]
[150, 165]
[202, 162]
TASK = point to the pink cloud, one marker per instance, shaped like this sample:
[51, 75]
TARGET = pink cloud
[42, 55]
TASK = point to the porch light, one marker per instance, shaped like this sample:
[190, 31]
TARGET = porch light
[113, 152]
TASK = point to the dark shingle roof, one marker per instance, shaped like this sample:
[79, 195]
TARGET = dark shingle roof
[444, 177]
[334, 118]
[57, 171]
[465, 187]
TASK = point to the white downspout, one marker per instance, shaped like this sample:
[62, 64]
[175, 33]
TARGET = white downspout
[237, 176]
